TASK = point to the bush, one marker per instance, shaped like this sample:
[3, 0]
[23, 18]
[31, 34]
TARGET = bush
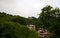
[15, 30]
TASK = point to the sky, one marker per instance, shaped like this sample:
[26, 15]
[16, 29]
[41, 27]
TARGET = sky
[26, 8]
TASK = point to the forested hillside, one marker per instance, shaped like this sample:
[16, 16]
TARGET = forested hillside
[13, 26]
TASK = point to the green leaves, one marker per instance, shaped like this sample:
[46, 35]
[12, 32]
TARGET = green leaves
[15, 27]
[50, 19]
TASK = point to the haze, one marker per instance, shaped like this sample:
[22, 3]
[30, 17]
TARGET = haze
[26, 8]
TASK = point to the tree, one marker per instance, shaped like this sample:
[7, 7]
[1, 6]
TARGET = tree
[50, 19]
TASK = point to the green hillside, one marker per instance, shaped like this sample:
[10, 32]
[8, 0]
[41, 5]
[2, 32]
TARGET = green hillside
[15, 27]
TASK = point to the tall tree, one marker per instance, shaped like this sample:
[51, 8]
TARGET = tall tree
[50, 19]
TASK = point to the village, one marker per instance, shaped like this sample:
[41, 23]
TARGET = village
[41, 33]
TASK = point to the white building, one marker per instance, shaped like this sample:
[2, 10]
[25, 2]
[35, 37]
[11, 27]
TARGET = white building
[32, 27]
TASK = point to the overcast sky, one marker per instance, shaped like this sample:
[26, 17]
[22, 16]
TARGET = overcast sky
[26, 8]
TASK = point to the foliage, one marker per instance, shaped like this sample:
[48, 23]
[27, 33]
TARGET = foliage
[10, 28]
[15, 26]
[50, 19]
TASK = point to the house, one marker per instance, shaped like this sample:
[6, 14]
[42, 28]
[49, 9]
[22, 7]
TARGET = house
[42, 33]
[30, 26]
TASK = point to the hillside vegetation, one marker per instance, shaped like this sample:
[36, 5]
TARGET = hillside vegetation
[16, 26]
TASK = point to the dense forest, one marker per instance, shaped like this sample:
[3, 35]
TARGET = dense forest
[14, 26]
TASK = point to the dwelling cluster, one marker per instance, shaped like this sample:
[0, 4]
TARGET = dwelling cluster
[41, 33]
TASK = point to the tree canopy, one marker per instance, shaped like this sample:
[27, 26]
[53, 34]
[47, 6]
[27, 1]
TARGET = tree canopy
[50, 19]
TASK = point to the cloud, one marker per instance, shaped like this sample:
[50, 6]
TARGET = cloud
[26, 8]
